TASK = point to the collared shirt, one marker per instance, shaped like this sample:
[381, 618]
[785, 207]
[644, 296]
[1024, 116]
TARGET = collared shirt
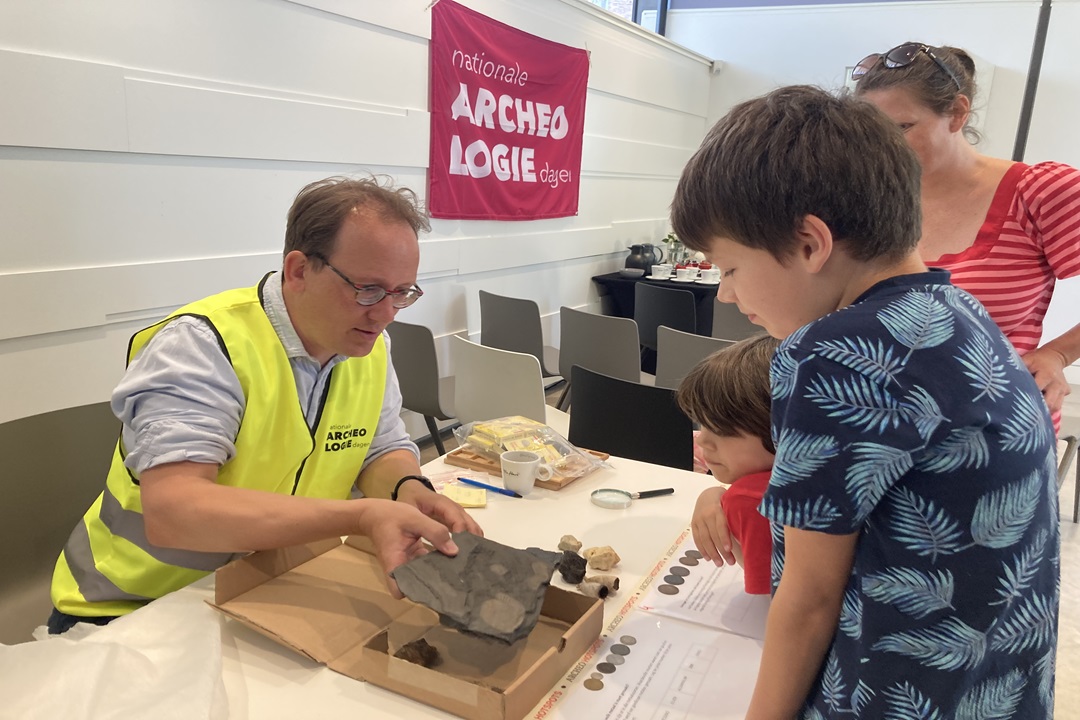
[908, 418]
[180, 399]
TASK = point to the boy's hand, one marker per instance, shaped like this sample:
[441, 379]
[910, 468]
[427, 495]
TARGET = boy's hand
[710, 528]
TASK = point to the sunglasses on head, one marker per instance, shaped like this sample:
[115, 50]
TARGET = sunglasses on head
[902, 56]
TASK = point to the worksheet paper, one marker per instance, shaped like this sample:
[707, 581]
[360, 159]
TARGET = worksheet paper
[692, 588]
[657, 668]
[689, 650]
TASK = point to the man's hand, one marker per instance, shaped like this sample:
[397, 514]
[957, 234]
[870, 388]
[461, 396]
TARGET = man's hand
[710, 528]
[398, 530]
[1047, 366]
[439, 507]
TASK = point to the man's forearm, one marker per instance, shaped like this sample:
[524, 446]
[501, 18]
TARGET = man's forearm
[381, 475]
[183, 508]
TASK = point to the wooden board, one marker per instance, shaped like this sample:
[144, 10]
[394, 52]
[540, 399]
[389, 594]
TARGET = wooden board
[463, 457]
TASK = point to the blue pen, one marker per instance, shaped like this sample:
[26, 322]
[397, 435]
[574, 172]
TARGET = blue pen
[492, 488]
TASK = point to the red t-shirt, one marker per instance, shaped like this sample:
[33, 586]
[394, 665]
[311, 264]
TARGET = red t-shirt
[751, 529]
[1029, 239]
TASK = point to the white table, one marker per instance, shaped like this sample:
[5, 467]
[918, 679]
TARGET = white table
[167, 655]
[265, 680]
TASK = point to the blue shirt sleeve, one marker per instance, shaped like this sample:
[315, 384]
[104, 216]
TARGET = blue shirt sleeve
[181, 401]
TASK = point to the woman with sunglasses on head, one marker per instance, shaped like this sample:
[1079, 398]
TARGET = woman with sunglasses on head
[1005, 230]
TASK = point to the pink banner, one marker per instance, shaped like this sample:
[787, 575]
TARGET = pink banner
[507, 120]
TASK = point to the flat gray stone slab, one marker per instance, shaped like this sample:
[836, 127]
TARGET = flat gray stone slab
[487, 589]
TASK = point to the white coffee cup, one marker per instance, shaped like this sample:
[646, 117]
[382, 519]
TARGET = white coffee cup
[521, 469]
[711, 275]
[684, 273]
[660, 272]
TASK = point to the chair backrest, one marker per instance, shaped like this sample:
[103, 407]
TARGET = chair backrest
[513, 324]
[678, 352]
[491, 383]
[54, 467]
[630, 420]
[655, 306]
[730, 324]
[412, 350]
[602, 343]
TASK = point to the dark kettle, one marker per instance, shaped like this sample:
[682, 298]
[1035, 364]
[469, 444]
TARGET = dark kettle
[643, 256]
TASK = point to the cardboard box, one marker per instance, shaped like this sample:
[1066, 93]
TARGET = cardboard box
[327, 601]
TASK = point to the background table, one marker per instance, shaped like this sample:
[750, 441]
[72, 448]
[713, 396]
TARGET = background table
[617, 297]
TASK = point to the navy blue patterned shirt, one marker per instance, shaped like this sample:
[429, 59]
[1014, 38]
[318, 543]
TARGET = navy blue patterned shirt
[908, 418]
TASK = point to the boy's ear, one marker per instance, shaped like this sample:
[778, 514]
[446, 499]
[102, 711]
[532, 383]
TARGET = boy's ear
[815, 243]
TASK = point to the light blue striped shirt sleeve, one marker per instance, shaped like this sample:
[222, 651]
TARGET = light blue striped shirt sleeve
[180, 399]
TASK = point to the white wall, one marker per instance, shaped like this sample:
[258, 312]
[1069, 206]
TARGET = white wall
[763, 48]
[150, 151]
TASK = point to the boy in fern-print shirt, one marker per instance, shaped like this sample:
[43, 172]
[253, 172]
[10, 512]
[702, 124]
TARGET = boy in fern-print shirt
[913, 499]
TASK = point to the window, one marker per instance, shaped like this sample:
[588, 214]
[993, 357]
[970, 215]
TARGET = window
[622, 8]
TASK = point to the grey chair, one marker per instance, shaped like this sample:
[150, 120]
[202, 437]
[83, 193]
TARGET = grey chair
[730, 324]
[629, 420]
[655, 306]
[491, 383]
[423, 389]
[513, 324]
[54, 467]
[602, 343]
[678, 352]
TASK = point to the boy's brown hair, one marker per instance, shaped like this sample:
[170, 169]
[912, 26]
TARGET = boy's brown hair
[728, 392]
[800, 151]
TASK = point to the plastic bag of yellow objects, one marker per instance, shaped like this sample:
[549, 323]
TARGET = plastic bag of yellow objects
[491, 438]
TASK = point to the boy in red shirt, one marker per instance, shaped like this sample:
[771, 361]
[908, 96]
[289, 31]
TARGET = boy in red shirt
[728, 395]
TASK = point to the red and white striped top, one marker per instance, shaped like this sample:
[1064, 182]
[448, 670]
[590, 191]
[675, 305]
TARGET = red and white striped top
[1030, 238]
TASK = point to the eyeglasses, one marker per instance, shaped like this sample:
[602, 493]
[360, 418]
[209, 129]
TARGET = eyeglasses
[902, 56]
[373, 294]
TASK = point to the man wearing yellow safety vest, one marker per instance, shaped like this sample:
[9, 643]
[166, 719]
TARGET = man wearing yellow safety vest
[249, 416]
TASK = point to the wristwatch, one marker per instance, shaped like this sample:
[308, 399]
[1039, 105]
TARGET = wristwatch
[421, 478]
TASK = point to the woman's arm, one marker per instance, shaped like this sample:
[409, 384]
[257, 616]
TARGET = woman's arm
[802, 620]
[1047, 364]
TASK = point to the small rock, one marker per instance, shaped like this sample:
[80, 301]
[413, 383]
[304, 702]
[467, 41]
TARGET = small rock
[572, 567]
[602, 558]
[569, 542]
[419, 652]
[611, 582]
[593, 589]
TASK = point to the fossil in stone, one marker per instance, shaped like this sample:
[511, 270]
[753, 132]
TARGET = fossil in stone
[487, 589]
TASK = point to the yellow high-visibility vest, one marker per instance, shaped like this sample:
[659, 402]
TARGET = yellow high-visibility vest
[109, 568]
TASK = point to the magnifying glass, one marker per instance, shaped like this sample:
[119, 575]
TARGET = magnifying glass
[621, 499]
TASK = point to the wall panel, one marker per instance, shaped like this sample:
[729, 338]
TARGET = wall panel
[149, 153]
